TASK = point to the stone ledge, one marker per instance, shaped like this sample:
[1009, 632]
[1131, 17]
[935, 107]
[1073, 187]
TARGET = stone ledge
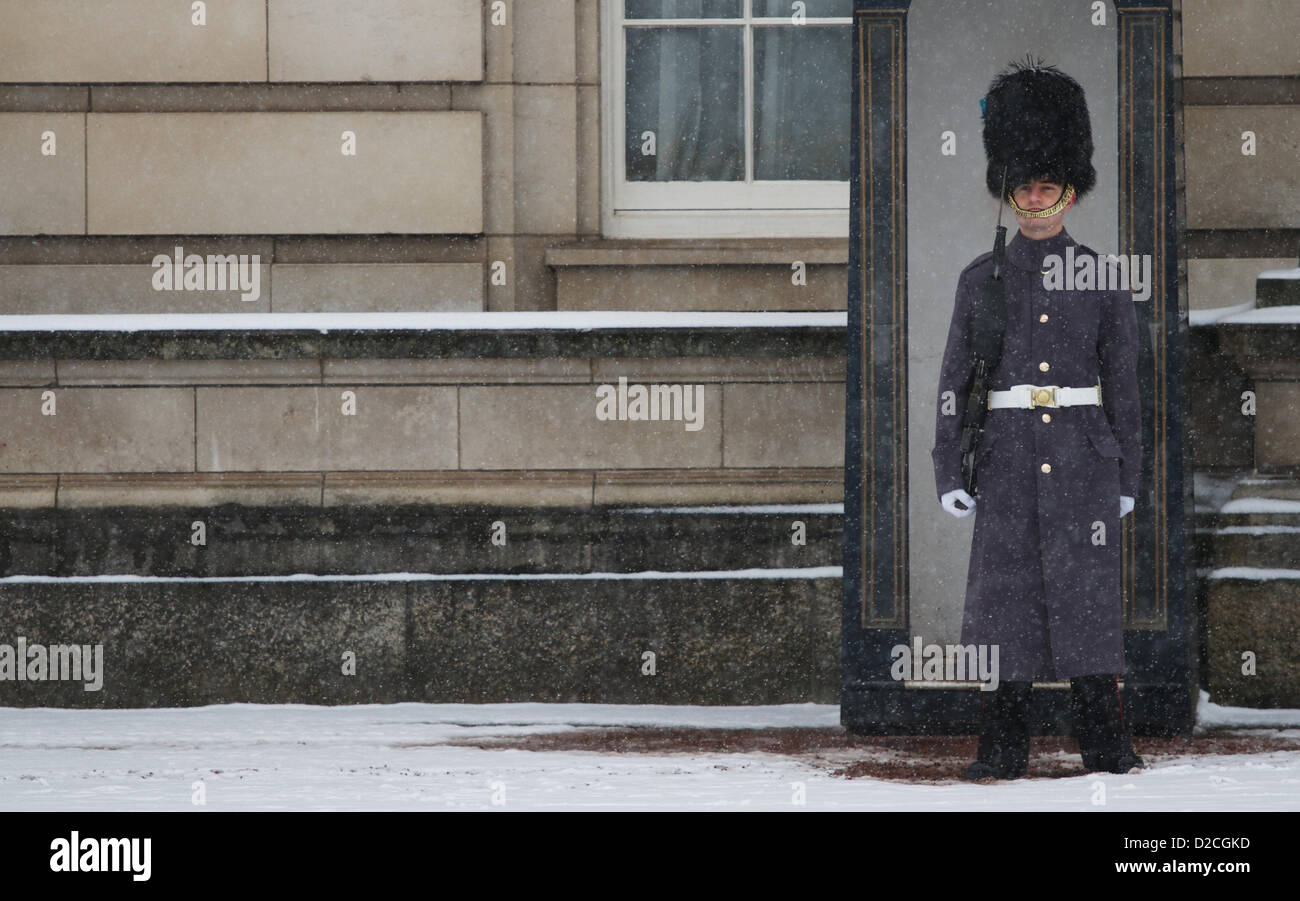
[420, 371]
[1249, 90]
[719, 369]
[688, 287]
[457, 371]
[44, 98]
[705, 252]
[421, 539]
[346, 490]
[425, 335]
[263, 97]
[540, 489]
[28, 492]
[714, 486]
[27, 373]
[115, 373]
[1241, 242]
[188, 490]
[77, 250]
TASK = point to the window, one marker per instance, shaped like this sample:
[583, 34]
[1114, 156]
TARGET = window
[726, 117]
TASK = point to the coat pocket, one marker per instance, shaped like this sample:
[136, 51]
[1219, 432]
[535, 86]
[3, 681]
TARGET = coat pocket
[1105, 444]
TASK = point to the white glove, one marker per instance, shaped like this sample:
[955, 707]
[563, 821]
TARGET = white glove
[950, 500]
[1125, 505]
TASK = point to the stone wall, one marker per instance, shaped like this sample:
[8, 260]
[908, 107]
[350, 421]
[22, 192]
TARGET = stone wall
[204, 470]
[1239, 75]
[475, 417]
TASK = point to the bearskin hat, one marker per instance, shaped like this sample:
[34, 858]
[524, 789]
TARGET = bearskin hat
[1036, 125]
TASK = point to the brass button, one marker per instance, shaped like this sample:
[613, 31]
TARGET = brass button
[1042, 397]
[1042, 317]
[1047, 417]
[1046, 467]
[1043, 367]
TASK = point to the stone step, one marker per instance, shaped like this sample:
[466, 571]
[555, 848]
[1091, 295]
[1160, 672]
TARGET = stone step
[1281, 489]
[1251, 545]
[1257, 524]
[1251, 624]
[1278, 288]
[711, 641]
[238, 541]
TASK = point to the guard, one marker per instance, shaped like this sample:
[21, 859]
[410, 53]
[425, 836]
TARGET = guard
[1053, 454]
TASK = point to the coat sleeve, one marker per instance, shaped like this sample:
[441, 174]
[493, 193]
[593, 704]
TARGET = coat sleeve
[955, 375]
[1117, 355]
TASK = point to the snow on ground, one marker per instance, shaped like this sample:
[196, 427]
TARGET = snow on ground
[398, 757]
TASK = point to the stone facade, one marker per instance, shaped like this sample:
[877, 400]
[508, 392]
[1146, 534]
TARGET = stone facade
[448, 157]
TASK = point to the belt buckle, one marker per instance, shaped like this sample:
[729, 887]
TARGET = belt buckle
[1044, 396]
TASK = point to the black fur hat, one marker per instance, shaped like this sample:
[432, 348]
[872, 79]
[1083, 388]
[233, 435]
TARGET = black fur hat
[1036, 124]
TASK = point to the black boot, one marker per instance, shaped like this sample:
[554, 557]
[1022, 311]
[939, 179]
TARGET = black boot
[1004, 734]
[1104, 741]
[1086, 727]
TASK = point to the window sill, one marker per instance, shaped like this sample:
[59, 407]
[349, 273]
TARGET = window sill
[703, 252]
[734, 224]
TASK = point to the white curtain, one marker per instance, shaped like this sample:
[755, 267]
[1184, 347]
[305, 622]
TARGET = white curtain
[686, 84]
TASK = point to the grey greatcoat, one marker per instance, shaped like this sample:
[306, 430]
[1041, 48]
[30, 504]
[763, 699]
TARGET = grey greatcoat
[1042, 585]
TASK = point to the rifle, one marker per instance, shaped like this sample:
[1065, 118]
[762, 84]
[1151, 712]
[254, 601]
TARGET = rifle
[988, 322]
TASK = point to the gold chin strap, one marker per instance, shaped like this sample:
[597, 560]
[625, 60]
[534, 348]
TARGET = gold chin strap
[1066, 196]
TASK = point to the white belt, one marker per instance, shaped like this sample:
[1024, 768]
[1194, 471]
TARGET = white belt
[1044, 396]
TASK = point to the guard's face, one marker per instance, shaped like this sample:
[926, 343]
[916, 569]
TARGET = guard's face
[1035, 195]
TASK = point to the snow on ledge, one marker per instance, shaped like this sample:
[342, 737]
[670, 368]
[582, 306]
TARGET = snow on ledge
[806, 572]
[327, 322]
[1214, 314]
[1260, 505]
[1280, 273]
[1255, 530]
[749, 508]
[1264, 315]
[1254, 573]
[1212, 716]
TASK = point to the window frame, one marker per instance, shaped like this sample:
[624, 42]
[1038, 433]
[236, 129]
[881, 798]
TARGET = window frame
[704, 209]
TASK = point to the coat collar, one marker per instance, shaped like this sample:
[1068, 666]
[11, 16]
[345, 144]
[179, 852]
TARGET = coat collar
[1024, 253]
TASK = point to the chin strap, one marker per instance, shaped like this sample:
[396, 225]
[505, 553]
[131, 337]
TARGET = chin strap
[1066, 196]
